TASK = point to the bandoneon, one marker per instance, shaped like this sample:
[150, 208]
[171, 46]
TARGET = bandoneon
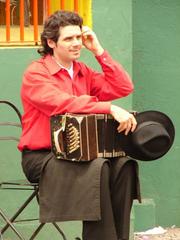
[78, 137]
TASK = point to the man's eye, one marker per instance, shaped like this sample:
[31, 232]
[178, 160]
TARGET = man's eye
[79, 37]
[68, 39]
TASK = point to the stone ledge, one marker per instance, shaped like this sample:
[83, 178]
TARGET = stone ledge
[144, 214]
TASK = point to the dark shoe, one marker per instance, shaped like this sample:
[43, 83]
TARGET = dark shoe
[77, 238]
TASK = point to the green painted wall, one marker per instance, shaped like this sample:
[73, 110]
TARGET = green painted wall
[112, 21]
[156, 74]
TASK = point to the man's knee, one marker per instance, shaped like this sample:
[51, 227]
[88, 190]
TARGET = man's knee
[130, 166]
[105, 171]
[129, 171]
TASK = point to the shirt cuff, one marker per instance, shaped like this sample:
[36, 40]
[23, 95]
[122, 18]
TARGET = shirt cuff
[103, 107]
[104, 57]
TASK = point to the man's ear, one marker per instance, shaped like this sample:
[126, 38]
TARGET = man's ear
[51, 43]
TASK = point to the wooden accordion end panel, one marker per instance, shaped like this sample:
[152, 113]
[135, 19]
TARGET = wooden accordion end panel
[79, 137]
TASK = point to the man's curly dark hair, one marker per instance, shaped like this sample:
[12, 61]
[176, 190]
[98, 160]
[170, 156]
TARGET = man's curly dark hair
[52, 28]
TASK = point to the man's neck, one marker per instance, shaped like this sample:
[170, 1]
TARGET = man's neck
[68, 69]
[63, 63]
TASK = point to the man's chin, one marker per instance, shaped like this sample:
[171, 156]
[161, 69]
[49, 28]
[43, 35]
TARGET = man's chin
[76, 56]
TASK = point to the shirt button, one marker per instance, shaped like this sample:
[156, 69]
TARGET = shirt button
[104, 59]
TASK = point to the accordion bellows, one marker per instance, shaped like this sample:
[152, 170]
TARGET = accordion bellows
[78, 137]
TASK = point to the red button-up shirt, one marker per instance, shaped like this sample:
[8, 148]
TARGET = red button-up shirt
[47, 89]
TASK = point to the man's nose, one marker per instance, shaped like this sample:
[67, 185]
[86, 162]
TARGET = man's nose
[77, 41]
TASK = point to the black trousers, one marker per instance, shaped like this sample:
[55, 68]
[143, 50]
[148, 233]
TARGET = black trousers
[119, 185]
[116, 201]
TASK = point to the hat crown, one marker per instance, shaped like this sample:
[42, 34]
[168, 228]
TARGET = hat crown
[152, 138]
[148, 132]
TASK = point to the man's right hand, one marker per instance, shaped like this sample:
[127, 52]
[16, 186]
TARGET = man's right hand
[91, 42]
[127, 121]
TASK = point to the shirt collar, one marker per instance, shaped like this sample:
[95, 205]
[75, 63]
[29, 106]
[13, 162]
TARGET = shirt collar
[53, 67]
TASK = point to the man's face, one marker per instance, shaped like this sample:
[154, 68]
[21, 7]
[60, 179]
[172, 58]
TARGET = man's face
[69, 44]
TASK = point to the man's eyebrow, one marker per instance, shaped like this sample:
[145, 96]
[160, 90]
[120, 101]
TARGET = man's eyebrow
[71, 36]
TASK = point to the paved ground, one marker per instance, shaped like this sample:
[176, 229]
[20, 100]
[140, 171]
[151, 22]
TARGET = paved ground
[171, 234]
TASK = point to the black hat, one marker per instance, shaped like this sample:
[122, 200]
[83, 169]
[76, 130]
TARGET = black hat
[152, 138]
